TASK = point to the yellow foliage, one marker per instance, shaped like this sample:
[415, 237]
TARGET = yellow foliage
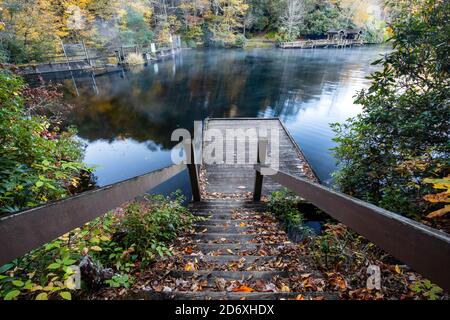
[134, 59]
[441, 197]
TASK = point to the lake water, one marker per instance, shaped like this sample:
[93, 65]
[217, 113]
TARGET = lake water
[126, 118]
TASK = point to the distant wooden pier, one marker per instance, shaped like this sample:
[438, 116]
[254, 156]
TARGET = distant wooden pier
[336, 38]
[79, 57]
[322, 43]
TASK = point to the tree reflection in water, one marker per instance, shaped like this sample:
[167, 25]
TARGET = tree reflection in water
[127, 125]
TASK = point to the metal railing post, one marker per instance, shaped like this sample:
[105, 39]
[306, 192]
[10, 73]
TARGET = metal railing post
[88, 60]
[192, 168]
[260, 160]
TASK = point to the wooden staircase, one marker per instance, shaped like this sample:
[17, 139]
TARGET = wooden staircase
[238, 252]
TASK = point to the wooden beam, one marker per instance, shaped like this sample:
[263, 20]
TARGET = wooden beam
[192, 168]
[261, 159]
[424, 249]
[24, 231]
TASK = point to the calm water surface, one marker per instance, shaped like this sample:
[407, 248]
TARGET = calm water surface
[126, 118]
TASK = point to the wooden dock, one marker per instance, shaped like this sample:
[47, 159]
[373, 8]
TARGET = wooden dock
[321, 43]
[238, 179]
[78, 57]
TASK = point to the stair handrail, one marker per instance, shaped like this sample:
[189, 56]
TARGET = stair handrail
[423, 248]
[23, 231]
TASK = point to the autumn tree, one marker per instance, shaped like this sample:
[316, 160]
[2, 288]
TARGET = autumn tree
[29, 30]
[226, 20]
[292, 18]
[194, 13]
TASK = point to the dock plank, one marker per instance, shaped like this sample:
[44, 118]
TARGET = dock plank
[230, 177]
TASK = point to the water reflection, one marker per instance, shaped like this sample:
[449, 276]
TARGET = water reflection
[126, 118]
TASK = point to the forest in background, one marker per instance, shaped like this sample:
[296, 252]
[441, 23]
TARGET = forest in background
[31, 30]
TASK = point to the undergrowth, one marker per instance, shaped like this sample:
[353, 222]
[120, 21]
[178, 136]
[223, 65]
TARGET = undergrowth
[116, 246]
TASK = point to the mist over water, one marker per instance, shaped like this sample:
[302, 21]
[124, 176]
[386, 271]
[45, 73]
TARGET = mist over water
[128, 124]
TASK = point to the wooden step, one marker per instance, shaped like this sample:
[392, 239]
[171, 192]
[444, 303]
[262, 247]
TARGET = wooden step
[221, 216]
[211, 275]
[222, 222]
[212, 203]
[236, 247]
[227, 237]
[223, 295]
[222, 229]
[224, 259]
[228, 211]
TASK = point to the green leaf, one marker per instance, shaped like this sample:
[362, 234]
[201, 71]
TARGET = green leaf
[54, 266]
[68, 261]
[42, 296]
[39, 184]
[18, 283]
[52, 245]
[66, 295]
[12, 294]
[28, 285]
[6, 267]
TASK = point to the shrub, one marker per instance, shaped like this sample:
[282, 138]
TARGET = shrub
[149, 224]
[272, 35]
[118, 243]
[401, 137]
[134, 59]
[193, 33]
[375, 32]
[240, 41]
[339, 249]
[39, 162]
[112, 61]
[284, 205]
[427, 290]
[191, 44]
[4, 55]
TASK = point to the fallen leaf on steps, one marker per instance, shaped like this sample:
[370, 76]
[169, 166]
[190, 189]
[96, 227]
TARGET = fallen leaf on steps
[190, 266]
[243, 288]
[220, 283]
[181, 282]
[285, 288]
[270, 287]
